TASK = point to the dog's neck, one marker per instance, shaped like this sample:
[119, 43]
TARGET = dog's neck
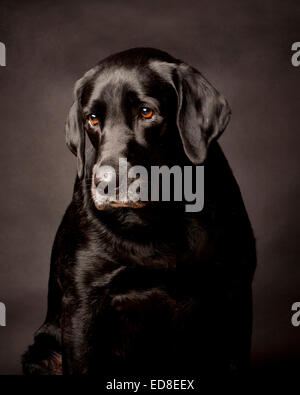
[155, 219]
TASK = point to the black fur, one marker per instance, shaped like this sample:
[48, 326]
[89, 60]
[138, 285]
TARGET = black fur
[152, 289]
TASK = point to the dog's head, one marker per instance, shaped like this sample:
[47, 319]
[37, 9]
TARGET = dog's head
[145, 106]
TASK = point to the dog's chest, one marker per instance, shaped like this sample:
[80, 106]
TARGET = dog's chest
[170, 264]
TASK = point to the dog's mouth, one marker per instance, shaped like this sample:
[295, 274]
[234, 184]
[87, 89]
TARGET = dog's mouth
[134, 205]
[104, 201]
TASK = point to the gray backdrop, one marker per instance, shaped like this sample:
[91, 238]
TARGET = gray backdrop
[242, 47]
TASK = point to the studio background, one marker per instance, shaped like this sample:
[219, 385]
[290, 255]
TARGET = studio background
[244, 50]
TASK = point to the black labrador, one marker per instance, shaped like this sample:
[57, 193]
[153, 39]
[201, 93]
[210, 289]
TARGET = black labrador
[148, 288]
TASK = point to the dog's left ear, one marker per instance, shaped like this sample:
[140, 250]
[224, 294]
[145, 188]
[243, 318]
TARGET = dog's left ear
[203, 113]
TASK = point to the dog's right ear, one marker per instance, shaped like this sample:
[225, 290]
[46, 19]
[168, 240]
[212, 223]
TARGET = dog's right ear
[75, 137]
[75, 134]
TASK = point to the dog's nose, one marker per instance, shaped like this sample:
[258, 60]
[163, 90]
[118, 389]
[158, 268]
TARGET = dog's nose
[105, 175]
[105, 179]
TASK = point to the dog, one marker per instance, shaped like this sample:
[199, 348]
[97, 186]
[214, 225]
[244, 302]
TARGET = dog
[146, 287]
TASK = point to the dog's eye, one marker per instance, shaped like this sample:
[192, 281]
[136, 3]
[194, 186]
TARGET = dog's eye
[93, 120]
[146, 112]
